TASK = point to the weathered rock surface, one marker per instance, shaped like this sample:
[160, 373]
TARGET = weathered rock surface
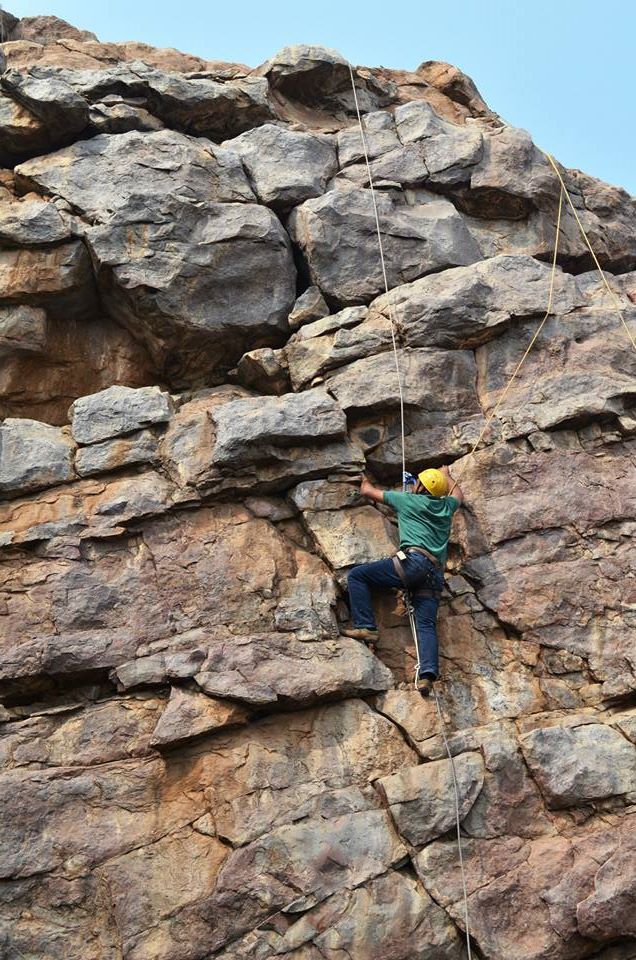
[337, 236]
[33, 455]
[117, 410]
[196, 365]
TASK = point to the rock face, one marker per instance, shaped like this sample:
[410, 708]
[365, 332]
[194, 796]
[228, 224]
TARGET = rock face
[196, 364]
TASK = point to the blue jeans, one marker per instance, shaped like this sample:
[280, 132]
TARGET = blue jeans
[420, 572]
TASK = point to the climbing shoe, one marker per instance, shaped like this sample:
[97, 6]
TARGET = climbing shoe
[425, 685]
[361, 633]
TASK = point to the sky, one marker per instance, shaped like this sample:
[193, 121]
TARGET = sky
[561, 69]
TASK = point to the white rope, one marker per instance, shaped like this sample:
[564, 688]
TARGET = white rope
[457, 821]
[409, 605]
[390, 309]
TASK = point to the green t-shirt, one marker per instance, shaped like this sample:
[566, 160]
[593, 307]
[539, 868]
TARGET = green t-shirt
[423, 521]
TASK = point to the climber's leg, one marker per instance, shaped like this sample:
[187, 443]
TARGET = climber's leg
[381, 575]
[425, 609]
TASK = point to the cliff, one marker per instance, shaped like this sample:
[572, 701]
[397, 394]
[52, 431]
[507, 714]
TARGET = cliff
[195, 367]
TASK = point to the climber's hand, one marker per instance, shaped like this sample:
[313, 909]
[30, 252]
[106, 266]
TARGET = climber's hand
[368, 490]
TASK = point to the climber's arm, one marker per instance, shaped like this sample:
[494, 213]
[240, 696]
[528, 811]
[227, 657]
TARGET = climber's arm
[454, 489]
[373, 493]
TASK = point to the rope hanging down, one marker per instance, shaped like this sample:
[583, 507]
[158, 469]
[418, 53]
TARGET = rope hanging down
[389, 294]
[391, 314]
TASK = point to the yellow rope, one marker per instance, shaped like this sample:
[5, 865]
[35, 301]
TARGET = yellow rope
[506, 389]
[589, 247]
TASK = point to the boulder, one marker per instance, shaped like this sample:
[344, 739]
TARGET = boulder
[50, 99]
[346, 537]
[58, 279]
[421, 800]
[22, 134]
[138, 447]
[318, 75]
[259, 429]
[338, 238]
[470, 305]
[204, 105]
[573, 765]
[110, 174]
[22, 329]
[116, 411]
[189, 714]
[309, 306]
[222, 282]
[31, 221]
[315, 350]
[285, 166]
[264, 670]
[264, 370]
[380, 137]
[32, 456]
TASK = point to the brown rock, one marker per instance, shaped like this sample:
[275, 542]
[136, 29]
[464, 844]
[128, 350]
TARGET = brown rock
[189, 714]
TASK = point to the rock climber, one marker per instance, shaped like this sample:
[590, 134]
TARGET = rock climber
[424, 523]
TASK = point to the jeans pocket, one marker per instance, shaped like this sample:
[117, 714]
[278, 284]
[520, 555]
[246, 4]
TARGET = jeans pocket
[420, 571]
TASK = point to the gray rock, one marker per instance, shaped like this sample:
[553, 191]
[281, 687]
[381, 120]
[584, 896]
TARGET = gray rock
[468, 305]
[573, 765]
[157, 668]
[349, 317]
[436, 384]
[117, 410]
[512, 175]
[249, 431]
[313, 74]
[279, 668]
[309, 306]
[222, 278]
[421, 800]
[33, 455]
[326, 495]
[121, 118]
[285, 166]
[380, 137]
[23, 329]
[337, 235]
[31, 220]
[199, 105]
[433, 380]
[557, 384]
[138, 447]
[418, 120]
[313, 356]
[51, 99]
[107, 174]
[282, 466]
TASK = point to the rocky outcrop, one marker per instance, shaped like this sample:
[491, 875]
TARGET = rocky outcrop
[196, 364]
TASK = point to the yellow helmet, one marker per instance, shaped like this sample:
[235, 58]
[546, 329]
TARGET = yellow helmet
[434, 481]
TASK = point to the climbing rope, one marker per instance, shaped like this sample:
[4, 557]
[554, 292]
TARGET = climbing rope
[533, 340]
[409, 606]
[613, 296]
[389, 294]
[391, 314]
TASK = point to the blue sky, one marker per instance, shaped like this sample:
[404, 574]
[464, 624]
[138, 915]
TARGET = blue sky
[561, 69]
